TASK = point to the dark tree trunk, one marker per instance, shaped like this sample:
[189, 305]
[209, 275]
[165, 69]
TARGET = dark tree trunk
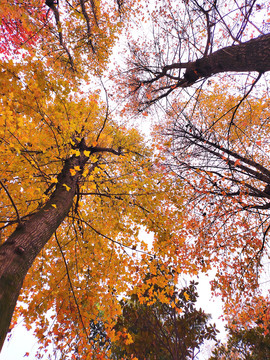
[18, 253]
[253, 55]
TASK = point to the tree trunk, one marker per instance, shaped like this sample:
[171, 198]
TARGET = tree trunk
[18, 253]
[253, 55]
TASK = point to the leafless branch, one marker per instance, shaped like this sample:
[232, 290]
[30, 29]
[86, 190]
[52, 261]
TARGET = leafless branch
[12, 202]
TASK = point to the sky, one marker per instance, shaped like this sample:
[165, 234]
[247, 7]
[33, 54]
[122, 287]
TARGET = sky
[21, 342]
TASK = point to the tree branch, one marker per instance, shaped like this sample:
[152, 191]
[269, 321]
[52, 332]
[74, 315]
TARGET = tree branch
[12, 202]
[71, 286]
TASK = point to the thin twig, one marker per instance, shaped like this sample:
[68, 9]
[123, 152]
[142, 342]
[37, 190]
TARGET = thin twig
[13, 204]
[112, 240]
[71, 286]
[264, 238]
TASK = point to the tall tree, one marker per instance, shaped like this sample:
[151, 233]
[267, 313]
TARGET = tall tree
[221, 160]
[193, 41]
[76, 184]
[215, 144]
[249, 56]
[55, 154]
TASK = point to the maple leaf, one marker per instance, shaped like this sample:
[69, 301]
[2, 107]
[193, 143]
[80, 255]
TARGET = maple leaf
[73, 172]
[86, 153]
[66, 187]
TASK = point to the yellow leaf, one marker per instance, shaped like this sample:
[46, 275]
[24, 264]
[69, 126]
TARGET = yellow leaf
[92, 187]
[75, 152]
[67, 187]
[73, 172]
[86, 153]
[77, 168]
[186, 296]
[128, 339]
[54, 180]
[53, 205]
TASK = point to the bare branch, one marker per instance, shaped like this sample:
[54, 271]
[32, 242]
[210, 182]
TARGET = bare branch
[12, 202]
[71, 286]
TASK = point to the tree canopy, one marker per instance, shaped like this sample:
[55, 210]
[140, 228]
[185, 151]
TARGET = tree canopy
[247, 344]
[80, 181]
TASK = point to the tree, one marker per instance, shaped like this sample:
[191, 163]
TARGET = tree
[221, 159]
[63, 34]
[65, 162]
[247, 344]
[198, 69]
[233, 58]
[56, 160]
[170, 329]
[17, 29]
[193, 41]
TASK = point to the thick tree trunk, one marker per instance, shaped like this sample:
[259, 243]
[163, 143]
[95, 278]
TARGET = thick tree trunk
[253, 55]
[18, 253]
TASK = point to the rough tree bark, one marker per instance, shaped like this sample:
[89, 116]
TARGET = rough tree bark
[19, 251]
[253, 55]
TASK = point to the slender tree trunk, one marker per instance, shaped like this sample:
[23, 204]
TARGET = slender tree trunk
[18, 253]
[253, 55]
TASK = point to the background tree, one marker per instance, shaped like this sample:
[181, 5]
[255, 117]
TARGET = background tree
[220, 157]
[215, 144]
[63, 34]
[247, 344]
[195, 40]
[171, 328]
